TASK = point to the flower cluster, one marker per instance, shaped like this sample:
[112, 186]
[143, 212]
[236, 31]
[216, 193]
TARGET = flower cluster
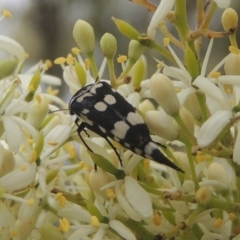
[53, 187]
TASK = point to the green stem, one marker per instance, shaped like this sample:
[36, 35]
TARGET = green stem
[200, 12]
[209, 15]
[93, 66]
[232, 38]
[180, 21]
[202, 103]
[185, 129]
[192, 167]
[112, 72]
[164, 52]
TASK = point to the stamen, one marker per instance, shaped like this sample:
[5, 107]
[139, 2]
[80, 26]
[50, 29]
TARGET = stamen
[122, 58]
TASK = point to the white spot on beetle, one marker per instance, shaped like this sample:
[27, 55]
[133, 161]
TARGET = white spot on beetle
[148, 149]
[127, 145]
[100, 106]
[93, 89]
[138, 151]
[134, 118]
[80, 98]
[120, 129]
[85, 111]
[109, 99]
[89, 122]
[102, 129]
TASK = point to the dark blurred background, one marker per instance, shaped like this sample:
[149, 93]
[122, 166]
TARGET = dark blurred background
[44, 28]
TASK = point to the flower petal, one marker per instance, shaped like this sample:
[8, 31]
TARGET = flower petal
[138, 197]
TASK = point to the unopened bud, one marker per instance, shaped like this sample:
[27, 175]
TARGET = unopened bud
[50, 232]
[98, 179]
[135, 51]
[158, 127]
[83, 34]
[108, 45]
[229, 20]
[164, 93]
[232, 62]
[7, 67]
[203, 195]
[126, 29]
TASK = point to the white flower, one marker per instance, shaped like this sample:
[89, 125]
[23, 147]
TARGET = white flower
[163, 9]
[222, 3]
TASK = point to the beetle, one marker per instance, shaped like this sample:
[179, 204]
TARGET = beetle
[104, 111]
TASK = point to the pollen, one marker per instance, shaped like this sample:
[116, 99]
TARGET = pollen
[110, 193]
[31, 87]
[60, 60]
[157, 219]
[38, 98]
[14, 233]
[64, 225]
[62, 201]
[218, 223]
[6, 13]
[122, 59]
[33, 156]
[201, 157]
[87, 64]
[232, 216]
[53, 143]
[48, 63]
[70, 59]
[51, 91]
[166, 42]
[146, 163]
[95, 222]
[23, 168]
[81, 165]
[234, 50]
[214, 74]
[72, 151]
[26, 55]
[31, 202]
[76, 50]
[160, 66]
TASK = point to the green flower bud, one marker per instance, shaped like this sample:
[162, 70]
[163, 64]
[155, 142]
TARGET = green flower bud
[203, 195]
[50, 232]
[83, 34]
[7, 67]
[80, 72]
[232, 62]
[7, 161]
[135, 51]
[229, 20]
[139, 71]
[108, 45]
[33, 86]
[164, 93]
[126, 29]
[192, 62]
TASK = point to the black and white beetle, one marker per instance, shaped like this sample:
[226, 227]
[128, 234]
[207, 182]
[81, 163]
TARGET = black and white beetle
[104, 111]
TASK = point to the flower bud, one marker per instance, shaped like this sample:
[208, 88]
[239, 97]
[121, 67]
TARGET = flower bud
[203, 195]
[80, 72]
[83, 34]
[192, 105]
[108, 45]
[126, 29]
[98, 179]
[50, 232]
[229, 20]
[159, 127]
[164, 93]
[146, 106]
[7, 67]
[7, 161]
[39, 110]
[33, 85]
[218, 173]
[231, 66]
[139, 71]
[135, 51]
